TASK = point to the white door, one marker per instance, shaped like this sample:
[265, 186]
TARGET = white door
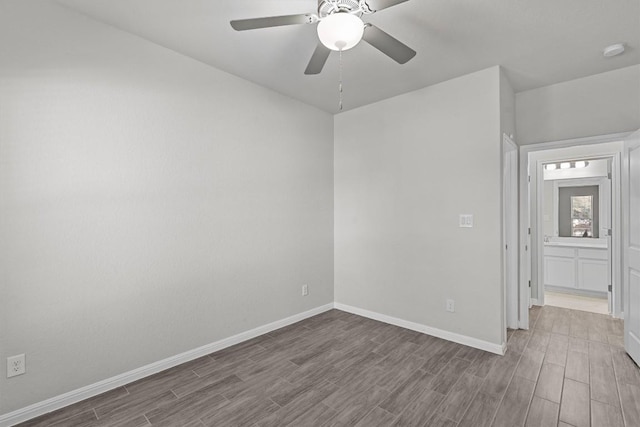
[631, 217]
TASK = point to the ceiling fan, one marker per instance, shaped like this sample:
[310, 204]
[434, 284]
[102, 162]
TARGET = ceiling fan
[340, 28]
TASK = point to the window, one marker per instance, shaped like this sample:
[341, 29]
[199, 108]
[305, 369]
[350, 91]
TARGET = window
[582, 216]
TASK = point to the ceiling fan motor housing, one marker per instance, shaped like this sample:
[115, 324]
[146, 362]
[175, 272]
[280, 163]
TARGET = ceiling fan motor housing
[355, 7]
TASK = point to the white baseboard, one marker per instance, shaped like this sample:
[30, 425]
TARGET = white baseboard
[66, 399]
[450, 336]
[534, 301]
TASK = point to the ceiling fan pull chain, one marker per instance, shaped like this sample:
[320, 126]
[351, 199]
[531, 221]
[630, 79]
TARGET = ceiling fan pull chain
[340, 84]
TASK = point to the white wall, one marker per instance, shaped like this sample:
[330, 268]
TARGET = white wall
[405, 168]
[149, 204]
[596, 105]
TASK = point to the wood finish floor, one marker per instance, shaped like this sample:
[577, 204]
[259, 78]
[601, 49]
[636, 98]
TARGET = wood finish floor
[338, 369]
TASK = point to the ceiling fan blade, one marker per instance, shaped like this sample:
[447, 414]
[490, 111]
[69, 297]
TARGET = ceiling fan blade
[272, 21]
[390, 46]
[318, 59]
[383, 4]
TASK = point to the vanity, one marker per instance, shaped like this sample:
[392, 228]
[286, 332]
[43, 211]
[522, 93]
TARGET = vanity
[577, 265]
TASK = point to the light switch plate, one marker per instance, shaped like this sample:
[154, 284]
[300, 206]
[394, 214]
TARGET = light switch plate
[451, 307]
[466, 220]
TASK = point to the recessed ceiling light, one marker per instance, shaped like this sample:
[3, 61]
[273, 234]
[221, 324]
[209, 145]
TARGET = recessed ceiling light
[613, 50]
[550, 167]
[565, 165]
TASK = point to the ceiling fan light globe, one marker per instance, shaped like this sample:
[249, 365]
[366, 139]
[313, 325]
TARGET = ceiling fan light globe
[340, 31]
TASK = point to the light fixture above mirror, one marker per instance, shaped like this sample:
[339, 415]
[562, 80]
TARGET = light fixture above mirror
[566, 165]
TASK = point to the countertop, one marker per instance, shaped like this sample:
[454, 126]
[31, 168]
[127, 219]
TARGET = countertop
[578, 242]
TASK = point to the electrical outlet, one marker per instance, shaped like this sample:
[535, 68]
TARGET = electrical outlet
[451, 305]
[305, 290]
[16, 365]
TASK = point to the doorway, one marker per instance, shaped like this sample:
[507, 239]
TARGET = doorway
[576, 219]
[532, 237]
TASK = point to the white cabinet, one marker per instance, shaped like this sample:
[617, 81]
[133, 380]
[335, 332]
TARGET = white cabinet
[559, 271]
[593, 275]
[577, 269]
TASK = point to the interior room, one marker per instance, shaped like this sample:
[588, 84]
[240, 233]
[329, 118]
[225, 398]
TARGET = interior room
[236, 213]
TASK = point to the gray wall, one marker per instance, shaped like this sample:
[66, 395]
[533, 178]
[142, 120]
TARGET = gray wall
[405, 168]
[595, 105]
[564, 208]
[149, 204]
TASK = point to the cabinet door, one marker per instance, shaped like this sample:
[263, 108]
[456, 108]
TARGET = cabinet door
[593, 275]
[559, 271]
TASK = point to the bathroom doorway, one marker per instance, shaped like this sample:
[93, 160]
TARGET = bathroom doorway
[576, 224]
[533, 160]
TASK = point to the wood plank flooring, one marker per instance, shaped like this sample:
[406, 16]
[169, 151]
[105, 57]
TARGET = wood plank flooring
[338, 369]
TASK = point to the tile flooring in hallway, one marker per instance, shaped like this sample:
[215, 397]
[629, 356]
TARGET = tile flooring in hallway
[338, 369]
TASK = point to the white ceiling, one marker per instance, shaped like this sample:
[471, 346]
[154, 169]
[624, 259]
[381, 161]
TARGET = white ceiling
[538, 42]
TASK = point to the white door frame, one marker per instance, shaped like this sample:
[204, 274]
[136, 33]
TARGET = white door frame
[524, 302]
[532, 158]
[604, 151]
[510, 231]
